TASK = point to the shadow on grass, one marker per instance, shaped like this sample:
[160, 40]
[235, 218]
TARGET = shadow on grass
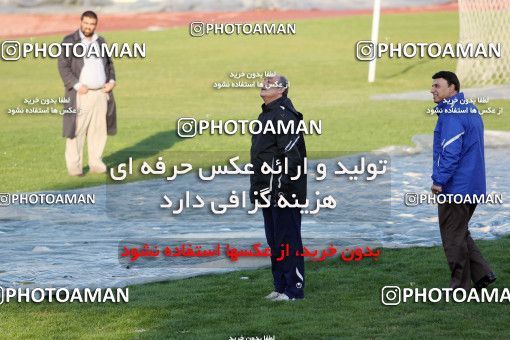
[146, 148]
[407, 69]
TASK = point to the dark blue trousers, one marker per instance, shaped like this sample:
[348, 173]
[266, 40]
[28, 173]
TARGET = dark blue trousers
[283, 227]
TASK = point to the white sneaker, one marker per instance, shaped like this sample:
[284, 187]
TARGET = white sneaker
[272, 295]
[282, 297]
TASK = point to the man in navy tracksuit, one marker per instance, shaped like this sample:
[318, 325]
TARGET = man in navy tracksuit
[282, 225]
[458, 169]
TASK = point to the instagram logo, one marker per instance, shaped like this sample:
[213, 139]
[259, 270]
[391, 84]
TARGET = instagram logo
[187, 127]
[5, 199]
[390, 295]
[197, 29]
[11, 50]
[411, 199]
[365, 50]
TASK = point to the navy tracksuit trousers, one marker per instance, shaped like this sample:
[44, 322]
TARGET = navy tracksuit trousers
[283, 227]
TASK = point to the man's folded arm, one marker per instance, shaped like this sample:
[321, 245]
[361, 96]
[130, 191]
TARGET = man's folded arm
[287, 147]
[451, 147]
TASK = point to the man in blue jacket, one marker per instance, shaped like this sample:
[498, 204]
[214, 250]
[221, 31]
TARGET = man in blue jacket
[458, 169]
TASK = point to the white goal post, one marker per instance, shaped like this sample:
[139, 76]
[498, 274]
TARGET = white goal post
[374, 38]
[484, 21]
[480, 21]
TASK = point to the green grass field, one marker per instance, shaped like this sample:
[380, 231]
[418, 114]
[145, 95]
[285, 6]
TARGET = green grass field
[327, 83]
[342, 301]
[175, 80]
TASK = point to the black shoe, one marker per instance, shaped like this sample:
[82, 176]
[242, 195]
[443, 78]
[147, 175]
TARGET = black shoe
[485, 281]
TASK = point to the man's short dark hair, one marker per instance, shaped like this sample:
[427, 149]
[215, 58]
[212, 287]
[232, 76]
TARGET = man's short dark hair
[450, 77]
[89, 14]
[285, 83]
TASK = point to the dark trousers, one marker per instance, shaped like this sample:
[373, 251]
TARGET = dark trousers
[464, 258]
[283, 227]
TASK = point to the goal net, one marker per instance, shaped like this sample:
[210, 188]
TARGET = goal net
[485, 21]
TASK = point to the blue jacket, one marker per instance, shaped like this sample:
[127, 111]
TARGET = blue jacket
[459, 164]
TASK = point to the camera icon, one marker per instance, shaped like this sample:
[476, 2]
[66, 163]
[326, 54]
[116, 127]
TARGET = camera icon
[390, 295]
[365, 50]
[5, 200]
[197, 29]
[11, 50]
[411, 199]
[187, 127]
